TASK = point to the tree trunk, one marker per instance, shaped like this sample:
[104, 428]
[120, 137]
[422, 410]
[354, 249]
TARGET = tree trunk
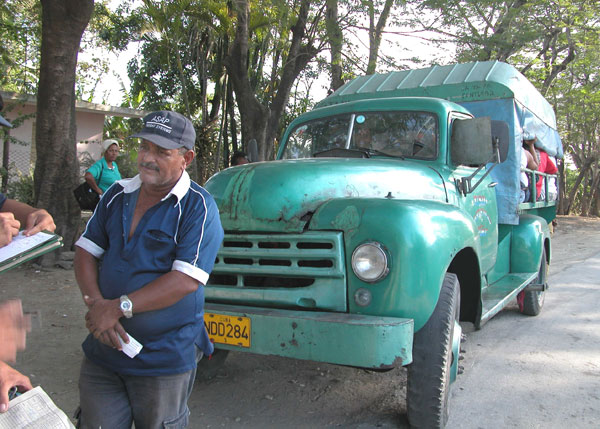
[252, 113]
[56, 171]
[336, 43]
[575, 189]
[594, 193]
[589, 191]
[375, 32]
[258, 121]
[232, 121]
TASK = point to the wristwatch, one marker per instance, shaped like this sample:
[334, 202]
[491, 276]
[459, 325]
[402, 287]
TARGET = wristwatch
[126, 306]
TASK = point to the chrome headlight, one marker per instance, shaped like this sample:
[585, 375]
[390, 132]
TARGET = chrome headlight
[370, 262]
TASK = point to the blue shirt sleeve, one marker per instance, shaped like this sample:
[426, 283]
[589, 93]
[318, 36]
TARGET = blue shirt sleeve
[95, 238]
[2, 200]
[199, 238]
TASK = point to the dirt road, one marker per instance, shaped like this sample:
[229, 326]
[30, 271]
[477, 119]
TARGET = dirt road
[252, 391]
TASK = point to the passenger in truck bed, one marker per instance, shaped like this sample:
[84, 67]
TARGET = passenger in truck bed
[529, 159]
[545, 166]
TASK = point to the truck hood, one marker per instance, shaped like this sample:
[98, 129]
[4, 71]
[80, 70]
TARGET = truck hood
[281, 196]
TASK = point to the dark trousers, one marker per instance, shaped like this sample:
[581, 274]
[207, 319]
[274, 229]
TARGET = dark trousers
[114, 401]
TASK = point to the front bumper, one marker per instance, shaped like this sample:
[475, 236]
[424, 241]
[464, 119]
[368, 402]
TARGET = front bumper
[338, 338]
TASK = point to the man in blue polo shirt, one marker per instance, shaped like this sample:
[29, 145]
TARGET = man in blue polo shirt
[157, 236]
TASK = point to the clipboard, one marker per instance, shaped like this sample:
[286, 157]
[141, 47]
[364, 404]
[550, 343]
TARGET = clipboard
[22, 249]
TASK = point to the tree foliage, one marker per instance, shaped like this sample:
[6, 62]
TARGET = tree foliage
[554, 44]
[20, 26]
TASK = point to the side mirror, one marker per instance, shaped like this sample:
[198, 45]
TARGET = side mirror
[471, 141]
[477, 142]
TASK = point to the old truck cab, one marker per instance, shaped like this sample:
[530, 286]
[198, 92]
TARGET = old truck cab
[391, 214]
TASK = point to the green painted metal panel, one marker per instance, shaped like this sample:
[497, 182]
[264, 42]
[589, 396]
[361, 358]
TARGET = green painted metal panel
[527, 244]
[338, 338]
[481, 205]
[420, 237]
[280, 196]
[502, 265]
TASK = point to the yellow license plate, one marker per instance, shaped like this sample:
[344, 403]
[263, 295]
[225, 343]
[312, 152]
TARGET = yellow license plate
[232, 330]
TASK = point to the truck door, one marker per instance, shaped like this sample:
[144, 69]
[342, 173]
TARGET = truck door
[481, 206]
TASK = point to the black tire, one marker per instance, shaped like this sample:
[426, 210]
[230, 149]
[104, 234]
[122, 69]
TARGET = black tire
[429, 374]
[208, 367]
[531, 301]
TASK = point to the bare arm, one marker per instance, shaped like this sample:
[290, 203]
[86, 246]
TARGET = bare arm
[103, 316]
[163, 292]
[92, 182]
[532, 161]
[158, 294]
[86, 274]
[14, 214]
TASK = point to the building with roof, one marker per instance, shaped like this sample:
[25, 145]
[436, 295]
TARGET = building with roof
[89, 118]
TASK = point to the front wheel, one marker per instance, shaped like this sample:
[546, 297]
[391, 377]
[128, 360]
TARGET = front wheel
[531, 301]
[435, 353]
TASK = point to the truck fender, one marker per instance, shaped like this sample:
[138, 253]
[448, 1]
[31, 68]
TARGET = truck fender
[421, 238]
[526, 245]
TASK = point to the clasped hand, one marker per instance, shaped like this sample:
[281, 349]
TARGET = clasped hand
[102, 320]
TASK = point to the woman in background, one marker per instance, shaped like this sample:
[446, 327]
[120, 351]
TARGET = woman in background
[104, 172]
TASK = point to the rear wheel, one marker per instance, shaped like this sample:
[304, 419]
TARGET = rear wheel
[531, 301]
[435, 355]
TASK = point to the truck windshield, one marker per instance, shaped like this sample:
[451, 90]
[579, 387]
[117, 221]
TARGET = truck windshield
[399, 134]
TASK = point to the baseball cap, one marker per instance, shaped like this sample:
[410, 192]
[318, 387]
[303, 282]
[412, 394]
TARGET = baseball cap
[170, 130]
[108, 143]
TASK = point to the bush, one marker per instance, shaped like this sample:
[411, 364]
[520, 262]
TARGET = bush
[21, 188]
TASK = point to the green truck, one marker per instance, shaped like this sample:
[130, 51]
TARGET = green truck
[391, 213]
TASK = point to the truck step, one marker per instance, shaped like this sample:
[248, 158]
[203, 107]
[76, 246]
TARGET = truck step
[497, 295]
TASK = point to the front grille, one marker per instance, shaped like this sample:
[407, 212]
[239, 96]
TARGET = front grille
[278, 261]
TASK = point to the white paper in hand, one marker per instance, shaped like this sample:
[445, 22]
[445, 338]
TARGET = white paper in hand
[132, 348]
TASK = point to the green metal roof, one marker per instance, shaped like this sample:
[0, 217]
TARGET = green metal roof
[475, 81]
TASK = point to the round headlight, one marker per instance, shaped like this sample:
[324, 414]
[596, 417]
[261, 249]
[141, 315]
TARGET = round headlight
[369, 262]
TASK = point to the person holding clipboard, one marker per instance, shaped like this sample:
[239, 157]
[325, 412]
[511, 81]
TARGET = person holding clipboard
[13, 324]
[13, 214]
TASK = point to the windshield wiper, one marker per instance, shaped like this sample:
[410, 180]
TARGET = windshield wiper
[362, 152]
[340, 152]
[371, 152]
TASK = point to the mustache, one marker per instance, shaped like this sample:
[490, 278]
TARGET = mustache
[149, 165]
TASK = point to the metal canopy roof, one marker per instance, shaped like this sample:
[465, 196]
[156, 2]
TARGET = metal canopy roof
[475, 81]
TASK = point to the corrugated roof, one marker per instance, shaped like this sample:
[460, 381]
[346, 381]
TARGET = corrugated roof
[475, 81]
